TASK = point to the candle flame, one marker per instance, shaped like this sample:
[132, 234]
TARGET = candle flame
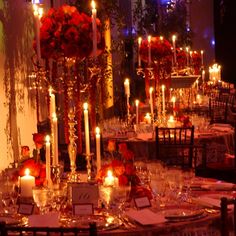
[173, 38]
[85, 106]
[47, 138]
[109, 174]
[171, 119]
[163, 87]
[54, 116]
[150, 90]
[173, 99]
[202, 52]
[139, 40]
[203, 72]
[93, 4]
[27, 172]
[126, 81]
[187, 49]
[136, 102]
[161, 38]
[97, 130]
[149, 38]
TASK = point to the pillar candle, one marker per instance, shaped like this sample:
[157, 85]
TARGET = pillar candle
[110, 180]
[27, 182]
[137, 104]
[163, 99]
[151, 103]
[98, 148]
[174, 48]
[48, 161]
[55, 139]
[94, 25]
[139, 58]
[149, 50]
[86, 130]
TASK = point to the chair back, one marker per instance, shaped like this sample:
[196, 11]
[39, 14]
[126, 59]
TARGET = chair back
[6, 230]
[228, 217]
[174, 146]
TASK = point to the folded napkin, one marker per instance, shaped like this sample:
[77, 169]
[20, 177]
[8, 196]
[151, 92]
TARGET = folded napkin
[208, 201]
[218, 186]
[48, 220]
[146, 216]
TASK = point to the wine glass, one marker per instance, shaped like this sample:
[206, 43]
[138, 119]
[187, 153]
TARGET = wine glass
[41, 196]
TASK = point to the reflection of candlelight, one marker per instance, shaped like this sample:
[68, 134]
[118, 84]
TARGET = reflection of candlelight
[110, 180]
[27, 182]
[86, 129]
[98, 148]
[149, 49]
[94, 25]
[137, 103]
[139, 44]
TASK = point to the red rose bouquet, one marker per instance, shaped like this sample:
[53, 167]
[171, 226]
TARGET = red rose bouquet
[67, 32]
[122, 167]
[181, 58]
[160, 48]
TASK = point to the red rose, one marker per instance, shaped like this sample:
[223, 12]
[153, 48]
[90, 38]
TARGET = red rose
[123, 180]
[129, 169]
[111, 146]
[128, 155]
[122, 148]
[118, 167]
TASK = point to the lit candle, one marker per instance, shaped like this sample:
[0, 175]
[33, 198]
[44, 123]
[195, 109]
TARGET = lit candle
[139, 58]
[55, 139]
[86, 129]
[94, 25]
[27, 182]
[149, 50]
[137, 104]
[110, 180]
[202, 56]
[197, 84]
[48, 162]
[38, 12]
[173, 99]
[191, 59]
[161, 38]
[163, 99]
[52, 102]
[187, 53]
[98, 148]
[147, 118]
[127, 93]
[174, 47]
[171, 122]
[151, 102]
[203, 76]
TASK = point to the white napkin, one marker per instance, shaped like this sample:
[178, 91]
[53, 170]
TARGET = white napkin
[208, 201]
[146, 216]
[48, 220]
[218, 186]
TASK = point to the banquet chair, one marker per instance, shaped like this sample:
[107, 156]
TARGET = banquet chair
[228, 224]
[8, 230]
[175, 146]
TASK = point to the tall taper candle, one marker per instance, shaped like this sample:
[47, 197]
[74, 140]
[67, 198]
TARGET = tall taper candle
[52, 103]
[137, 104]
[202, 52]
[149, 49]
[174, 48]
[55, 139]
[127, 93]
[48, 159]
[163, 99]
[94, 25]
[151, 102]
[86, 130]
[98, 148]
[139, 57]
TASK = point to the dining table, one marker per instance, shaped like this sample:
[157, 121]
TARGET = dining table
[200, 215]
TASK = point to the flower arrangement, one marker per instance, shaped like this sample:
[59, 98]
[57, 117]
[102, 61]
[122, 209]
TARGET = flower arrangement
[67, 32]
[160, 48]
[181, 58]
[122, 167]
[196, 62]
[185, 120]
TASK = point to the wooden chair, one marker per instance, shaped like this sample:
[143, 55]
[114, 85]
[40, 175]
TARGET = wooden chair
[8, 230]
[228, 227]
[174, 146]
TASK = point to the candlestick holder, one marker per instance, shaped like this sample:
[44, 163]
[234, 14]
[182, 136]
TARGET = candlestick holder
[56, 172]
[89, 166]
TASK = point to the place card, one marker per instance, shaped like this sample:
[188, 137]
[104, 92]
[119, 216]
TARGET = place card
[25, 209]
[84, 193]
[83, 209]
[142, 202]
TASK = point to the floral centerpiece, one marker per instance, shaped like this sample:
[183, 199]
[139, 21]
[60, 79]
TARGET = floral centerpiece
[121, 164]
[65, 32]
[196, 62]
[184, 120]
